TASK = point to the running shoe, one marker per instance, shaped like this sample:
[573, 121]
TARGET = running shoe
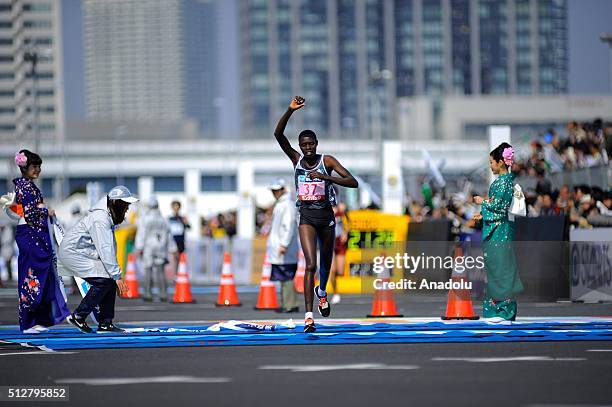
[108, 327]
[40, 328]
[309, 326]
[324, 307]
[82, 325]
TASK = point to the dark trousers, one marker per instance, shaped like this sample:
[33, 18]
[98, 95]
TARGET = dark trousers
[101, 293]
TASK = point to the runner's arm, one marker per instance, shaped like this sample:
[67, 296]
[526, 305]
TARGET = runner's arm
[345, 179]
[279, 132]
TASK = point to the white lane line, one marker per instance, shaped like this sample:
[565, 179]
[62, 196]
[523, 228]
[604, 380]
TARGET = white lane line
[509, 359]
[113, 381]
[39, 347]
[36, 353]
[325, 368]
[599, 350]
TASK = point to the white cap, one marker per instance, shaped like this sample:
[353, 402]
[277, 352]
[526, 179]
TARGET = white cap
[585, 199]
[121, 192]
[277, 184]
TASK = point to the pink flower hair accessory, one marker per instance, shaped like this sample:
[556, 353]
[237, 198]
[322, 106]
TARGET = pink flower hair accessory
[21, 160]
[508, 156]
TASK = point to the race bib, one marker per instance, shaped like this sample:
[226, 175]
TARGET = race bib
[176, 228]
[310, 190]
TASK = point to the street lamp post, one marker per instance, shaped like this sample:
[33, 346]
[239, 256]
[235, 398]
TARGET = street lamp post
[607, 38]
[32, 56]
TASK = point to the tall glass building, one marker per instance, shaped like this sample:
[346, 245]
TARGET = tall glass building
[31, 100]
[152, 60]
[351, 59]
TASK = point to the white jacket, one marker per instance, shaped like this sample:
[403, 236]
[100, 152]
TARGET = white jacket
[89, 249]
[284, 232]
[153, 237]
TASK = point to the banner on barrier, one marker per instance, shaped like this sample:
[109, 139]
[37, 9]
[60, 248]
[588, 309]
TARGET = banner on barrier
[591, 262]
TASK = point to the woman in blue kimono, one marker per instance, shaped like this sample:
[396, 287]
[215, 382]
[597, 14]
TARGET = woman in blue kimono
[41, 301]
[503, 282]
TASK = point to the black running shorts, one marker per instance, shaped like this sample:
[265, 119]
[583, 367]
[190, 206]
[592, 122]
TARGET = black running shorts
[319, 218]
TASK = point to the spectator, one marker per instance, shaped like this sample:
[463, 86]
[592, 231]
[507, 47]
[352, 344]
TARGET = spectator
[563, 199]
[543, 185]
[178, 225]
[283, 245]
[89, 251]
[547, 206]
[579, 192]
[154, 242]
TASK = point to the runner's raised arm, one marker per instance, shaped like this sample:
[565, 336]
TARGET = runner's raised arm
[296, 104]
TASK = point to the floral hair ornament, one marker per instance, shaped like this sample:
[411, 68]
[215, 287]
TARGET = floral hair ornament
[21, 160]
[508, 156]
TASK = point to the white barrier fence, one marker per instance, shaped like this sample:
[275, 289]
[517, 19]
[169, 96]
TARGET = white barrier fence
[205, 259]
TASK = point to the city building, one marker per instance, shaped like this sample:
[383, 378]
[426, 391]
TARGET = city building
[31, 82]
[457, 119]
[351, 59]
[154, 60]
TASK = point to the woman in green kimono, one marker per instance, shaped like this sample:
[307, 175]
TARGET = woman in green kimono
[503, 282]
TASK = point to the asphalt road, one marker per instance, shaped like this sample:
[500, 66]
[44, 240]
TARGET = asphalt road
[470, 374]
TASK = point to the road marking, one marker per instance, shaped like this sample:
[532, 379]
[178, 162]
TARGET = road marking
[509, 359]
[326, 368]
[113, 381]
[39, 347]
[599, 350]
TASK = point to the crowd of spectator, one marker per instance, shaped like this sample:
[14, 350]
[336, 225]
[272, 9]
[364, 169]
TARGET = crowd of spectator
[585, 206]
[219, 226]
[583, 145]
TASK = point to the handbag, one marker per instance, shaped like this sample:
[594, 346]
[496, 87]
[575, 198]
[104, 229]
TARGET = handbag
[518, 207]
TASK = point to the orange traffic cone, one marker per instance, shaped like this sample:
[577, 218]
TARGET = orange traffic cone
[130, 278]
[298, 280]
[383, 305]
[182, 288]
[267, 290]
[459, 304]
[227, 289]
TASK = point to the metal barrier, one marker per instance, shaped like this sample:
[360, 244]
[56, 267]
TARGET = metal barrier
[205, 259]
[600, 176]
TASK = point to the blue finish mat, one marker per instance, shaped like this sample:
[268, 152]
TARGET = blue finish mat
[337, 332]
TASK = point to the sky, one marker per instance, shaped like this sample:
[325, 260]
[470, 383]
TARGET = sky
[589, 58]
[74, 64]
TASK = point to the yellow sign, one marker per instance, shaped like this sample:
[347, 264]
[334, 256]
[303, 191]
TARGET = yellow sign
[371, 233]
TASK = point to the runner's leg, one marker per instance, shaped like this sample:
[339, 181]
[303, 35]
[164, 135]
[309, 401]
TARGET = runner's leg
[308, 238]
[326, 237]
